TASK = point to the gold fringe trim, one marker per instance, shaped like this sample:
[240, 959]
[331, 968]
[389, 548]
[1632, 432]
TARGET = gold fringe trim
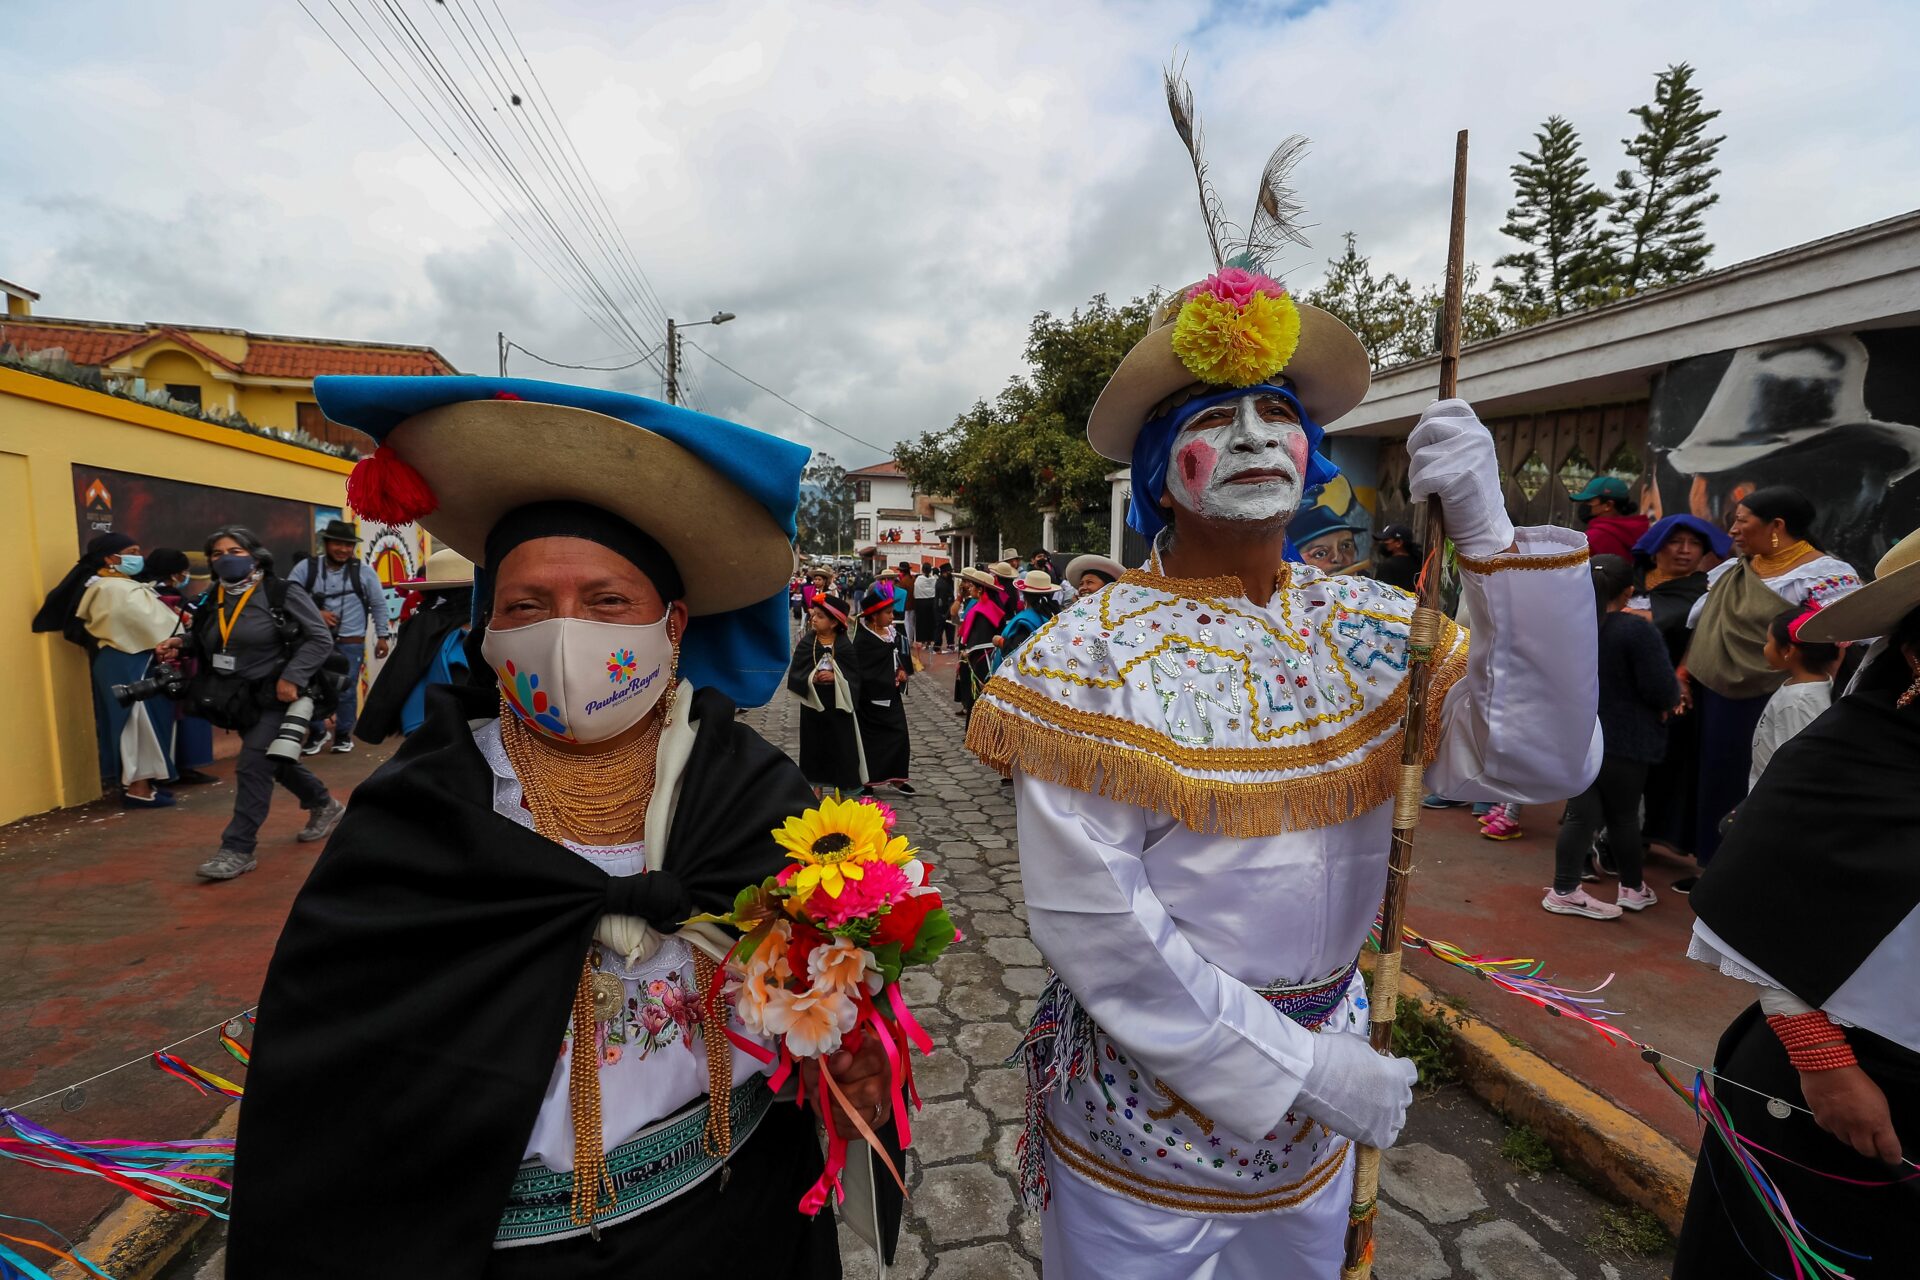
[1499, 564]
[1005, 741]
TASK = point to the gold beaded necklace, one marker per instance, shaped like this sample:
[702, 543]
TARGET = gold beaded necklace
[1771, 563]
[593, 800]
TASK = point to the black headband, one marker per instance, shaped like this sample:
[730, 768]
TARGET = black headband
[593, 524]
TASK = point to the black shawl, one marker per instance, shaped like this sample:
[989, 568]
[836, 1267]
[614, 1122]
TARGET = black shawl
[417, 998]
[1670, 603]
[1820, 863]
[412, 657]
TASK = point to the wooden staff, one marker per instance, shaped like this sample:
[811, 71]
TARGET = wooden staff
[1421, 640]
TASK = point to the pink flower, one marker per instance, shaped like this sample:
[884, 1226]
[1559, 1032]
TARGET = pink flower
[887, 815]
[841, 966]
[883, 885]
[611, 1056]
[1237, 285]
[655, 1019]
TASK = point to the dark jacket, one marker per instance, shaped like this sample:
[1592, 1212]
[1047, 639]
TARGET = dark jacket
[1637, 686]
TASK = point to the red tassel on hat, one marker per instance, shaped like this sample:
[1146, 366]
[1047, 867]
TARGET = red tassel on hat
[385, 487]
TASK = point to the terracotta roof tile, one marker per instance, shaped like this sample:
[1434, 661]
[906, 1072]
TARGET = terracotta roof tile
[298, 360]
[100, 344]
[83, 346]
[887, 468]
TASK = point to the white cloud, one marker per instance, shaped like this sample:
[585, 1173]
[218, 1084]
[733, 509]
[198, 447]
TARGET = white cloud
[884, 193]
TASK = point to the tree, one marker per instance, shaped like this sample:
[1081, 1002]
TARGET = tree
[1658, 234]
[1007, 459]
[826, 507]
[1377, 309]
[1555, 213]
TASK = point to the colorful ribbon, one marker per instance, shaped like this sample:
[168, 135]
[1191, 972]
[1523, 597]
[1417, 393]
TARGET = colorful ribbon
[200, 1078]
[157, 1172]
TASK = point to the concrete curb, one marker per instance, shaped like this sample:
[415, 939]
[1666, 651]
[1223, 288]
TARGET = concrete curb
[1611, 1150]
[135, 1240]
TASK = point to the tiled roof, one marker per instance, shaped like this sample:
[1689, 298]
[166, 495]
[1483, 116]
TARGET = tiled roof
[97, 344]
[887, 468]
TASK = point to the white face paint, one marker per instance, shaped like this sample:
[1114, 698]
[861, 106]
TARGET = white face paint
[1240, 460]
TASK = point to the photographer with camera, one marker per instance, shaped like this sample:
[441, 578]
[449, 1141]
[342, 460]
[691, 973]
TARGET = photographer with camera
[262, 646]
[127, 620]
[351, 597]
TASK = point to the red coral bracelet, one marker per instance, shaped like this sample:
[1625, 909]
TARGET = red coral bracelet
[1830, 1058]
[1812, 1041]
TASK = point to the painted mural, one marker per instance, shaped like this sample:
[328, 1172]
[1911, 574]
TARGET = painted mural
[1836, 416]
[1334, 532]
[176, 513]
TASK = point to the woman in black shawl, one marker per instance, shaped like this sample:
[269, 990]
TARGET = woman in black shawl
[59, 612]
[826, 679]
[884, 664]
[1815, 897]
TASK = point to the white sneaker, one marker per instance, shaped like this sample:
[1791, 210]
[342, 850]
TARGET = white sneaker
[1579, 903]
[1637, 899]
[318, 745]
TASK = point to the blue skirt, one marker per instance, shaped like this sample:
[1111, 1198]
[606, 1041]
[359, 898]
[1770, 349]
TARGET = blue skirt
[112, 667]
[1726, 757]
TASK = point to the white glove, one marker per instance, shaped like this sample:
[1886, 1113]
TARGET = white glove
[1356, 1092]
[1450, 454]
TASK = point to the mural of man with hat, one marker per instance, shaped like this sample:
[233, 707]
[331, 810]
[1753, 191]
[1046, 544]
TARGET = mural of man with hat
[1203, 754]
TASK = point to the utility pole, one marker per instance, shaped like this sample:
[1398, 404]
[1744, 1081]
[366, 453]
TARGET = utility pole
[673, 363]
[503, 353]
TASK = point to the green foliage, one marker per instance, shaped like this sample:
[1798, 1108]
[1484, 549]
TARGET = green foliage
[1424, 1037]
[936, 934]
[1026, 450]
[1555, 213]
[1656, 228]
[1527, 1149]
[825, 522]
[1394, 323]
[1634, 1232]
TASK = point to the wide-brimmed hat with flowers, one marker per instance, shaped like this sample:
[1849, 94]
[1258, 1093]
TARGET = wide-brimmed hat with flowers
[1239, 327]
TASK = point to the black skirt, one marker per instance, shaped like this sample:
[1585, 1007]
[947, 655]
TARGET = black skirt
[1726, 1234]
[829, 753]
[705, 1233]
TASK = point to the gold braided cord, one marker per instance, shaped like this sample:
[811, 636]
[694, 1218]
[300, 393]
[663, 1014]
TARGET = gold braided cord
[592, 1184]
[717, 1138]
[1499, 564]
[1142, 768]
[1384, 991]
[1406, 797]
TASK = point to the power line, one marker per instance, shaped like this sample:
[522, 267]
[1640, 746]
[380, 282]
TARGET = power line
[884, 449]
[645, 356]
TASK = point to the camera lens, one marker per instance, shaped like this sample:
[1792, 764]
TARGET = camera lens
[294, 724]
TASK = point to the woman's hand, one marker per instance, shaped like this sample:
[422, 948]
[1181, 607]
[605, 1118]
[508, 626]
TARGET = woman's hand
[862, 1077]
[1686, 690]
[823, 677]
[1850, 1106]
[899, 679]
[168, 650]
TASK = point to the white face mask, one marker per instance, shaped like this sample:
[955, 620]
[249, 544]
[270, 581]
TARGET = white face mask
[581, 681]
[1246, 469]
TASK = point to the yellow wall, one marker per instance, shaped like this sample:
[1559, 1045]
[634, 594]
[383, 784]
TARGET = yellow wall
[46, 427]
[273, 406]
[175, 366]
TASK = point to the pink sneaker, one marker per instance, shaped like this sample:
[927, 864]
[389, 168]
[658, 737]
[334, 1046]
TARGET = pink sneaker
[1579, 903]
[1499, 826]
[1637, 899]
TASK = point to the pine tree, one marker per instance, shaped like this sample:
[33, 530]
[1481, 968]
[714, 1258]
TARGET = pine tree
[1656, 226]
[1556, 213]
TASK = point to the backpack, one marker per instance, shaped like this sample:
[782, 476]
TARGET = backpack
[359, 587]
[231, 703]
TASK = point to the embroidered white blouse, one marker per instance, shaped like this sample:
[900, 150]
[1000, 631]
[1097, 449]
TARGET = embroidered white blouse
[652, 1060]
[1164, 932]
[1822, 580]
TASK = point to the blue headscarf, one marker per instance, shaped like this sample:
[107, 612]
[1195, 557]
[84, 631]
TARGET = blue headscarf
[1653, 539]
[743, 653]
[1153, 450]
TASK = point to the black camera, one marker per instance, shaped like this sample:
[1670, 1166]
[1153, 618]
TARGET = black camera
[165, 682]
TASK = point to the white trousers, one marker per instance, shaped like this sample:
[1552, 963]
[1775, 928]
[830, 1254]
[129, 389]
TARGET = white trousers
[1090, 1233]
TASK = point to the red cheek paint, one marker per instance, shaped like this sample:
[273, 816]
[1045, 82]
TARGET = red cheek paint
[1297, 450]
[1197, 460]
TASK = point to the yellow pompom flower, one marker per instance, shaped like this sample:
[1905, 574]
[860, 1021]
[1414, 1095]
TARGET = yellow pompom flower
[1231, 345]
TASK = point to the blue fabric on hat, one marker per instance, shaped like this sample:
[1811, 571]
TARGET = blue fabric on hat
[1314, 520]
[1651, 540]
[1153, 450]
[743, 653]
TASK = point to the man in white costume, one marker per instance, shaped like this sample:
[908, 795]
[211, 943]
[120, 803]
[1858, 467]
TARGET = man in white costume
[1203, 754]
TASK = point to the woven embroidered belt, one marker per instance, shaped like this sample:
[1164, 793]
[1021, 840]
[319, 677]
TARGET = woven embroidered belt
[653, 1166]
[1059, 1049]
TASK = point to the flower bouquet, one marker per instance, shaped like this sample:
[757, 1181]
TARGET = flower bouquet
[818, 968]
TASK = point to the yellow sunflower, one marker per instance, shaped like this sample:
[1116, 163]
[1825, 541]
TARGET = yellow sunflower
[830, 844]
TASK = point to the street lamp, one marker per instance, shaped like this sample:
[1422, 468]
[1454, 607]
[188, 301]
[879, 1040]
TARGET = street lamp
[673, 350]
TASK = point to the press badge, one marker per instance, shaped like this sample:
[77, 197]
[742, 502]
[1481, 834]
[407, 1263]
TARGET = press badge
[224, 662]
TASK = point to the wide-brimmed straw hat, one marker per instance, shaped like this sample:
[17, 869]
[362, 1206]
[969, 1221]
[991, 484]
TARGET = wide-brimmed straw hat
[1329, 372]
[979, 577]
[1038, 583]
[445, 570]
[1001, 569]
[1079, 566]
[1875, 609]
[456, 454]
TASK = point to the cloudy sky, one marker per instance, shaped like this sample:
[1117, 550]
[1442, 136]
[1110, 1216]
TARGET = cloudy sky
[884, 193]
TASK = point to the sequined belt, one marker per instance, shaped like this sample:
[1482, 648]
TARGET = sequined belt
[1058, 1049]
[653, 1166]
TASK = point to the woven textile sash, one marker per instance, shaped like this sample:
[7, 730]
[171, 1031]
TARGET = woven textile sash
[1059, 1044]
[653, 1166]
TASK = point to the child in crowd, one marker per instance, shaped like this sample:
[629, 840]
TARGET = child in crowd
[1805, 696]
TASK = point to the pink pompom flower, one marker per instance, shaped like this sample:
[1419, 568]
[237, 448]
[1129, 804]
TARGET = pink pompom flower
[1238, 285]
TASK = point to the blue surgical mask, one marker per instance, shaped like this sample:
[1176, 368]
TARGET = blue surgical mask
[131, 565]
[233, 568]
